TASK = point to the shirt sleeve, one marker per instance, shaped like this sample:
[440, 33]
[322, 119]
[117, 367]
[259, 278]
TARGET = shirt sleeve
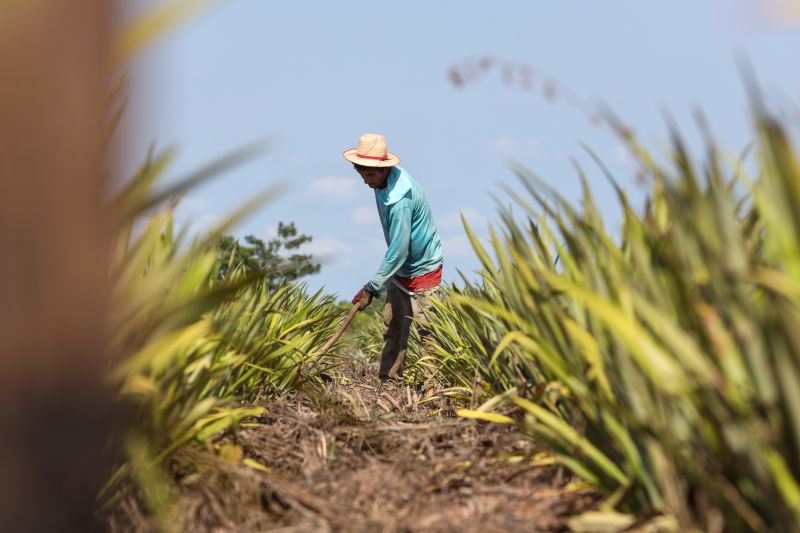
[399, 244]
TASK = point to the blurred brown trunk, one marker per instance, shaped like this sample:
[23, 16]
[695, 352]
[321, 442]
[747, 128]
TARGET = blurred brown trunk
[54, 413]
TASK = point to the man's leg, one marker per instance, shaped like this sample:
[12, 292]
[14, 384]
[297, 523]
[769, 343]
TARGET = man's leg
[396, 326]
[420, 305]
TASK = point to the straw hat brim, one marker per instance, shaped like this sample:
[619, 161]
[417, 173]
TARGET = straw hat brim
[390, 161]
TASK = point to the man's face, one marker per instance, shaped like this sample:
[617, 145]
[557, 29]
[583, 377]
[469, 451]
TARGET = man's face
[374, 177]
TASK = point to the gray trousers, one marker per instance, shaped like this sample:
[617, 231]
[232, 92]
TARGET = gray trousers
[397, 314]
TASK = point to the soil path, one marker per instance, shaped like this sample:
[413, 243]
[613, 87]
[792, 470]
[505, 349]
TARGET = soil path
[357, 457]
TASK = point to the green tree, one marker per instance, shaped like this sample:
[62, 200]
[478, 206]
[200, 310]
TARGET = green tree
[277, 259]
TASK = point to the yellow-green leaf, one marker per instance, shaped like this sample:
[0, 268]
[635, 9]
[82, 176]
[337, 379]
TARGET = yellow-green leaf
[488, 417]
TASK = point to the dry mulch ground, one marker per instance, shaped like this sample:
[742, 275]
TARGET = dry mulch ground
[357, 457]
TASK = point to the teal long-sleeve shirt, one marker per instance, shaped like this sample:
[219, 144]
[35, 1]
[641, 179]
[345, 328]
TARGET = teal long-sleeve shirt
[414, 247]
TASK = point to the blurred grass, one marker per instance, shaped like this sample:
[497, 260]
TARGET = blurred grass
[154, 22]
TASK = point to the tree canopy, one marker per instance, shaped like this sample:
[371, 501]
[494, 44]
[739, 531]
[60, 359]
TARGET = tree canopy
[278, 259]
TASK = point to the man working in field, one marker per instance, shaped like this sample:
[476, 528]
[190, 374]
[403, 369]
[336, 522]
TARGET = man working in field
[412, 266]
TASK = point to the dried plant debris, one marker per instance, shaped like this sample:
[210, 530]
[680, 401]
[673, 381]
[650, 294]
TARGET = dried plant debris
[353, 455]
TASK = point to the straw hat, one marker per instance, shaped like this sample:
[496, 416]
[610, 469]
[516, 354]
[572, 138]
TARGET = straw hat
[371, 152]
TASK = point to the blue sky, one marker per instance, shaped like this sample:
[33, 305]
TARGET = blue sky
[314, 76]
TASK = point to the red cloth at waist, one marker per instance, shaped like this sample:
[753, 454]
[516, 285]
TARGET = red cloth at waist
[425, 281]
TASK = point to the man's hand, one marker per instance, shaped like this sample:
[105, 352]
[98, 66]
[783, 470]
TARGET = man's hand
[362, 298]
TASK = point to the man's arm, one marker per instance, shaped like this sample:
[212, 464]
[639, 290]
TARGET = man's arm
[399, 244]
